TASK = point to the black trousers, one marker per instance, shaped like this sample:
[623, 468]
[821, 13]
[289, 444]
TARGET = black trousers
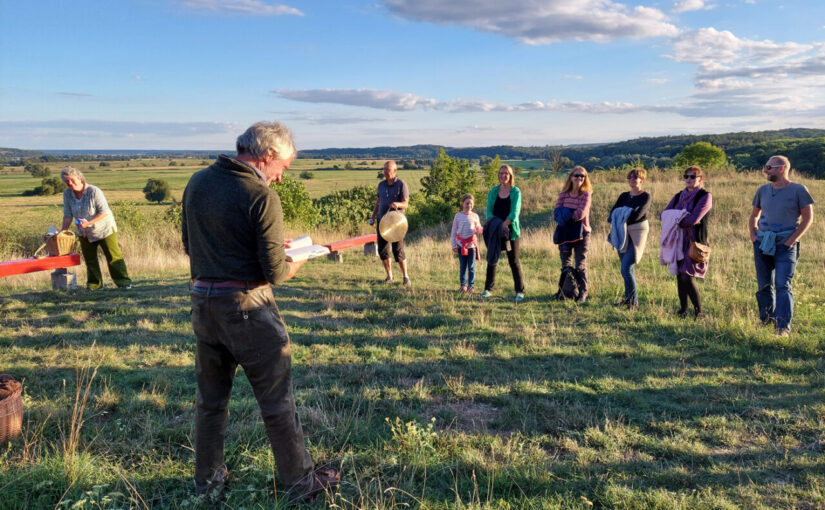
[515, 267]
[577, 252]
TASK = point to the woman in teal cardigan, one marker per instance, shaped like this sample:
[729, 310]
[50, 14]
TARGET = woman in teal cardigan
[504, 202]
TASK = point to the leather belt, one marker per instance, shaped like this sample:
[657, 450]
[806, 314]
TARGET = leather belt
[228, 284]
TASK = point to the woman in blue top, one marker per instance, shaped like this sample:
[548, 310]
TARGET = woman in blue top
[504, 202]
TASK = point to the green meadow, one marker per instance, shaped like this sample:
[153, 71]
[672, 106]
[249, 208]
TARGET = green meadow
[425, 397]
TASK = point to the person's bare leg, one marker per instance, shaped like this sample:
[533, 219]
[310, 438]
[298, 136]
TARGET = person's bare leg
[387, 268]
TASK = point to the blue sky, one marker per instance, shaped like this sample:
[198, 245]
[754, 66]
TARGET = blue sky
[193, 74]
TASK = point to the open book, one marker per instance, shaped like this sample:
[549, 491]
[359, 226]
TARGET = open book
[301, 248]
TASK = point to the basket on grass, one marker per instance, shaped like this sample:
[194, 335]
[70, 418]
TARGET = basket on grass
[56, 244]
[11, 408]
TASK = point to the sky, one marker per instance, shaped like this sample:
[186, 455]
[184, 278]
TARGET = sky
[194, 74]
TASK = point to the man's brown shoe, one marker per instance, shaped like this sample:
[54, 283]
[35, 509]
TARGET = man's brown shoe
[212, 489]
[322, 479]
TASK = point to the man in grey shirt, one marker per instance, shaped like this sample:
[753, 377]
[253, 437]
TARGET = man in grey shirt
[775, 230]
[392, 194]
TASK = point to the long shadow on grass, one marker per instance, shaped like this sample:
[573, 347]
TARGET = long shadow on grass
[387, 362]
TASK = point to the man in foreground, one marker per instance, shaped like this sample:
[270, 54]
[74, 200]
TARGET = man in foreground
[233, 232]
[392, 194]
[775, 230]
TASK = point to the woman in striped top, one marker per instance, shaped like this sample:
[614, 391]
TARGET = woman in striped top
[576, 195]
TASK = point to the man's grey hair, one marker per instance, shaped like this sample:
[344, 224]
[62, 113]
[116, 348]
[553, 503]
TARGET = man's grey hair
[262, 136]
[785, 161]
[70, 171]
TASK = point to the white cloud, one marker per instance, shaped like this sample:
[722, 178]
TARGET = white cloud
[541, 21]
[691, 5]
[326, 120]
[253, 7]
[739, 77]
[657, 81]
[711, 48]
[405, 101]
[381, 99]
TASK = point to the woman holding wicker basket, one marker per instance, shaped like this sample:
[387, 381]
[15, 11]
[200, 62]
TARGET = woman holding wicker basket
[96, 227]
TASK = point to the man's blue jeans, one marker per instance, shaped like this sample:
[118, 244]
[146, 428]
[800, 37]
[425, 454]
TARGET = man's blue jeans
[467, 264]
[628, 259]
[773, 276]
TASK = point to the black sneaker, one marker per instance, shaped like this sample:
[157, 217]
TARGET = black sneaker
[212, 489]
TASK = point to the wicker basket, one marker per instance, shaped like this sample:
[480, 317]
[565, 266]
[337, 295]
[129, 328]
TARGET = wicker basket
[61, 243]
[11, 408]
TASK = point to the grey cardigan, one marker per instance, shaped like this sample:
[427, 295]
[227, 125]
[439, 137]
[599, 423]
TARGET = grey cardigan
[91, 203]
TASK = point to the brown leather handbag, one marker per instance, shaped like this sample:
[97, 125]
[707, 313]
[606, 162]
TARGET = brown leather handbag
[699, 252]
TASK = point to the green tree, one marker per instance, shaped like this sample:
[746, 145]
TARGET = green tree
[38, 170]
[702, 154]
[449, 179]
[489, 170]
[157, 190]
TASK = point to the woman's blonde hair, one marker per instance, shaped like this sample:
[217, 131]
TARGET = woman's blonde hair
[568, 184]
[512, 180]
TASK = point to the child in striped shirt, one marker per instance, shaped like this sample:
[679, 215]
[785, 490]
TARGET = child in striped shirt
[464, 242]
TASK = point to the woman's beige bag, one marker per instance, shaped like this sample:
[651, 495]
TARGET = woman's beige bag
[699, 252]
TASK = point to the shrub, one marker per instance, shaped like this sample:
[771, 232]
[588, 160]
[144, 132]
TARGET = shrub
[348, 208]
[425, 212]
[157, 190]
[129, 218]
[306, 174]
[48, 186]
[295, 201]
[173, 215]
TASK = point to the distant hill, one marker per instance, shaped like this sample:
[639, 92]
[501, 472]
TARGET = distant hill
[805, 148]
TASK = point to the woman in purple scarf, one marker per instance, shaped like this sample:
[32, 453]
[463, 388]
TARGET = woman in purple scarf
[697, 202]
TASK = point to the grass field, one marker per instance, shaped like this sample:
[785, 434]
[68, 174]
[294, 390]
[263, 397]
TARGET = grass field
[431, 399]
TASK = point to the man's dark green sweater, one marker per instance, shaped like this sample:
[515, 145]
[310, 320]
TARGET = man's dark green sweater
[233, 225]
